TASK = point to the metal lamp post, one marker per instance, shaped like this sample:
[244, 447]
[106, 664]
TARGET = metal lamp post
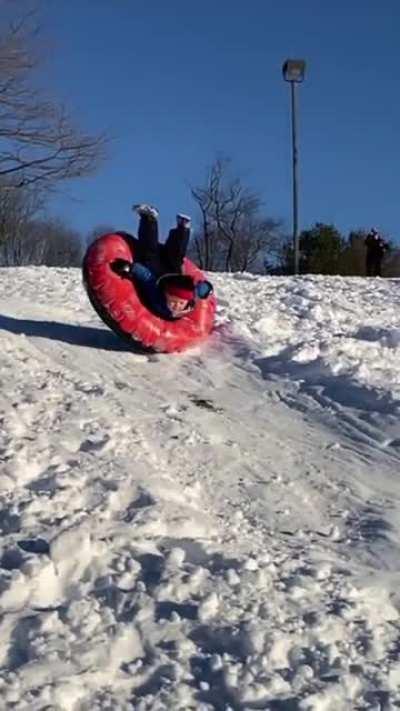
[293, 72]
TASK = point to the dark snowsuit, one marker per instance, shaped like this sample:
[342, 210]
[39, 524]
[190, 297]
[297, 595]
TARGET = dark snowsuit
[376, 248]
[155, 263]
[161, 258]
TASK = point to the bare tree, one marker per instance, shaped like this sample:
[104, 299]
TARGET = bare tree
[39, 145]
[206, 238]
[17, 210]
[57, 244]
[233, 234]
[27, 236]
[47, 241]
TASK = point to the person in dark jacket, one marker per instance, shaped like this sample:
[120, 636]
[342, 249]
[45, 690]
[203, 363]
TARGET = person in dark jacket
[157, 269]
[376, 248]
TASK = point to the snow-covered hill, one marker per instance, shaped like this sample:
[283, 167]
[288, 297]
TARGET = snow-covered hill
[217, 529]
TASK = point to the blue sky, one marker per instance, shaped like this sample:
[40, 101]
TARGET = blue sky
[177, 82]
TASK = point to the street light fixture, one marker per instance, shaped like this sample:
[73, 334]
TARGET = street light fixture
[293, 71]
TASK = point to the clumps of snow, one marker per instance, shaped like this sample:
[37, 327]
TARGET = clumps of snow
[217, 529]
[322, 325]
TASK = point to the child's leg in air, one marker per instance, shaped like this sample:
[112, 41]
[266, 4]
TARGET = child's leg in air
[148, 251]
[175, 247]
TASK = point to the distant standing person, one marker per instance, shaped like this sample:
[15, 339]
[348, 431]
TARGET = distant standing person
[376, 248]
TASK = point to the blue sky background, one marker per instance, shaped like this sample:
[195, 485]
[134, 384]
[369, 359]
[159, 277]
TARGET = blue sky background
[177, 82]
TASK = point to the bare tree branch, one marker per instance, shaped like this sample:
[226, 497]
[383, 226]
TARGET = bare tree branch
[17, 209]
[39, 145]
[27, 237]
[233, 234]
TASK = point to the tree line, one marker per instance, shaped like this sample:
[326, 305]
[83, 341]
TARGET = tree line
[234, 234]
[41, 147]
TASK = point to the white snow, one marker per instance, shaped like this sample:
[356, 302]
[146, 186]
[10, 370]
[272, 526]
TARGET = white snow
[217, 529]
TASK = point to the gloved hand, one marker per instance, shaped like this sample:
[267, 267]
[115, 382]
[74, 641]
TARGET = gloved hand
[203, 289]
[121, 267]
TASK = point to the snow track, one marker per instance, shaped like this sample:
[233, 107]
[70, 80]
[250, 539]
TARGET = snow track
[212, 530]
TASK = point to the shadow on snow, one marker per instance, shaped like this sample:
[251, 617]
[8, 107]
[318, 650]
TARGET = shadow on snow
[76, 335]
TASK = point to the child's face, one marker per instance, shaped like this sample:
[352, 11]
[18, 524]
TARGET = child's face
[176, 305]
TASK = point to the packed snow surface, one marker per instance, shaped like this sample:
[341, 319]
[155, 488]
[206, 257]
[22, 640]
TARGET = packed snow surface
[217, 529]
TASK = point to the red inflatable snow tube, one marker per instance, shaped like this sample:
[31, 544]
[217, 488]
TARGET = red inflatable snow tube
[117, 302]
